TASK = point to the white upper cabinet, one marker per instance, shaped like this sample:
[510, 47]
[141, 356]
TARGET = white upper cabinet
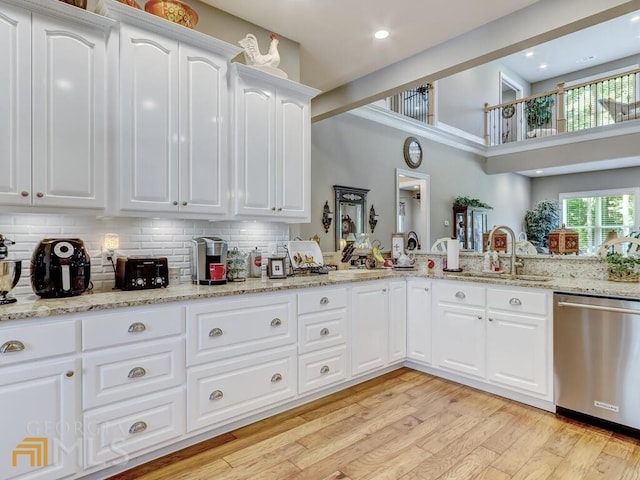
[272, 125]
[54, 129]
[173, 116]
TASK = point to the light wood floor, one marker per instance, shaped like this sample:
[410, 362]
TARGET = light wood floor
[406, 425]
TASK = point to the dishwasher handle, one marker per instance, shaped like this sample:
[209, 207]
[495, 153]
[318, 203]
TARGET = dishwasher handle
[599, 307]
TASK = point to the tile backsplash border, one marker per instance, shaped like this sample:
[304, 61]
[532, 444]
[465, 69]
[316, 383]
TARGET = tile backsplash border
[138, 237]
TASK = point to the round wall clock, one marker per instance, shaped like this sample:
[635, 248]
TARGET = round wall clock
[412, 152]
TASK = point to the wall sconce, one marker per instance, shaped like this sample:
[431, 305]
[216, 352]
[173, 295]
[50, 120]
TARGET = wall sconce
[327, 216]
[373, 218]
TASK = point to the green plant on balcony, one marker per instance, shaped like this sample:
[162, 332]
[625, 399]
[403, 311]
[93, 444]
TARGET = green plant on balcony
[539, 111]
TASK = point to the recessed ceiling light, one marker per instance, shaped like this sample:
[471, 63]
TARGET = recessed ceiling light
[543, 66]
[635, 18]
[529, 54]
[539, 171]
[381, 34]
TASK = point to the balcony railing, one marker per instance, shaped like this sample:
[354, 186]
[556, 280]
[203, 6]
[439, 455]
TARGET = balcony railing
[603, 101]
[415, 103]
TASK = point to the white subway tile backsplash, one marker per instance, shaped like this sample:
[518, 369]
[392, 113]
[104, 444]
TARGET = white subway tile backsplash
[138, 237]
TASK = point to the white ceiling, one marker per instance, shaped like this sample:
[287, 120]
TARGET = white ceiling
[336, 36]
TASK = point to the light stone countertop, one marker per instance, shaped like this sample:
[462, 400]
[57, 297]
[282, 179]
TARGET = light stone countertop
[31, 306]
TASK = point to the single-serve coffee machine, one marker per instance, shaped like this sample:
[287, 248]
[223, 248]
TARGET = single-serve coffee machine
[209, 261]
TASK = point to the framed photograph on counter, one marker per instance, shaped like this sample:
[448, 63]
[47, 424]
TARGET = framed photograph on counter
[397, 245]
[275, 268]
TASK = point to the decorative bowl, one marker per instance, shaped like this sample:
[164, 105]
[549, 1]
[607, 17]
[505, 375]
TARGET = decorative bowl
[174, 11]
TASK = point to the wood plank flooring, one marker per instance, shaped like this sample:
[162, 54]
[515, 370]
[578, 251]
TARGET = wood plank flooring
[406, 425]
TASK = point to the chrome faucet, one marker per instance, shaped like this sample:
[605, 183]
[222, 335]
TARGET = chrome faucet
[514, 260]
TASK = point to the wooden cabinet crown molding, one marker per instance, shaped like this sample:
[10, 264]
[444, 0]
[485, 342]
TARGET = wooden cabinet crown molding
[64, 11]
[132, 16]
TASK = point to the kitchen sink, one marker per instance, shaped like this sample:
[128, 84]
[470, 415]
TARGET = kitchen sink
[499, 276]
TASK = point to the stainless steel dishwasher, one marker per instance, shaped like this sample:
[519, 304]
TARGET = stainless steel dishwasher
[597, 357]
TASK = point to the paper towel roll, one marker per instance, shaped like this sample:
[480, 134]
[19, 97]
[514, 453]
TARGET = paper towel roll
[453, 251]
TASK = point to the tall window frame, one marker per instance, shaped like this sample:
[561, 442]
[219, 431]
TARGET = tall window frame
[596, 222]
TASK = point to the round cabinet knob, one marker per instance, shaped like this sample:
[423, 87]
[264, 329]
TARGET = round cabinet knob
[39, 194]
[175, 203]
[490, 319]
[24, 194]
[280, 209]
[184, 204]
[70, 373]
[479, 317]
[273, 208]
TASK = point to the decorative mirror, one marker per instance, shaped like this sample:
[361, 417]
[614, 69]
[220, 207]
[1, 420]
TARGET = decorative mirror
[412, 208]
[350, 213]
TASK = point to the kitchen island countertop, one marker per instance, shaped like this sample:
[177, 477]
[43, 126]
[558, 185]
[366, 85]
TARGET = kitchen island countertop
[31, 306]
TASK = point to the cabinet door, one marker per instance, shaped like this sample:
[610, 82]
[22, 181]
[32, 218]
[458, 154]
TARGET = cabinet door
[517, 351]
[148, 121]
[255, 150]
[397, 321]
[459, 339]
[419, 320]
[15, 98]
[369, 327]
[69, 117]
[39, 420]
[293, 158]
[203, 132]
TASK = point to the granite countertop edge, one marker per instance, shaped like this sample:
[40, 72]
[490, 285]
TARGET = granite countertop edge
[31, 306]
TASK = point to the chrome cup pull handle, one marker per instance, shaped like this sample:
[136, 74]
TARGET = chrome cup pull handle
[215, 332]
[216, 395]
[276, 322]
[325, 369]
[137, 372]
[137, 327]
[324, 332]
[515, 301]
[276, 378]
[324, 301]
[12, 346]
[460, 295]
[138, 427]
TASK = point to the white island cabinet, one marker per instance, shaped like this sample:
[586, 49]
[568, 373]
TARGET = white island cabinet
[173, 116]
[272, 142]
[53, 120]
[39, 381]
[419, 320]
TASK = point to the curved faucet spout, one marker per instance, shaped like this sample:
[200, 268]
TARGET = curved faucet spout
[514, 260]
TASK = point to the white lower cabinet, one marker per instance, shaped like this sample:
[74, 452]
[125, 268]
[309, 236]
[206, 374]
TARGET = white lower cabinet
[226, 391]
[419, 320]
[397, 321]
[369, 327]
[497, 335]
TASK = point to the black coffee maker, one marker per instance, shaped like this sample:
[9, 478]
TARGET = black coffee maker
[208, 251]
[60, 267]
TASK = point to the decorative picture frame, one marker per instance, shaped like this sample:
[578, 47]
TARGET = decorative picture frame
[275, 267]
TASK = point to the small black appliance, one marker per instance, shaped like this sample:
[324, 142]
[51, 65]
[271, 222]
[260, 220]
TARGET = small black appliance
[60, 267]
[138, 273]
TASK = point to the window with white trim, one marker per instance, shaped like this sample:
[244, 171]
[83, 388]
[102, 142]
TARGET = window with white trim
[594, 214]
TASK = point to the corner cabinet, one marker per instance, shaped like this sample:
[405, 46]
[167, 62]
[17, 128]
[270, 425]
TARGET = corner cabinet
[53, 120]
[172, 117]
[272, 150]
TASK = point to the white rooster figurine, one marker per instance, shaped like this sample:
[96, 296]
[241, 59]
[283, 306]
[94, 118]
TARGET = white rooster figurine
[253, 57]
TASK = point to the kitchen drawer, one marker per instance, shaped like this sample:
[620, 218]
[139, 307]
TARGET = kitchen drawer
[132, 325]
[321, 299]
[116, 374]
[123, 431]
[459, 294]
[321, 330]
[227, 391]
[518, 301]
[216, 331]
[322, 368]
[31, 342]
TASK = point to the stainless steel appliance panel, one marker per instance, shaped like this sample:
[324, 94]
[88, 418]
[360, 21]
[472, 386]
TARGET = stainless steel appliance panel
[597, 357]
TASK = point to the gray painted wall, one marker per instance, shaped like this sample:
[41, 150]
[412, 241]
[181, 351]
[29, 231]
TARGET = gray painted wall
[348, 150]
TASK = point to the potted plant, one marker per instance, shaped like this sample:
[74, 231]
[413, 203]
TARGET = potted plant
[539, 221]
[622, 268]
[539, 111]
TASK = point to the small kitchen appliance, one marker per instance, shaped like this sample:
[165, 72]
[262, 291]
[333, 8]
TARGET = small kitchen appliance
[139, 273]
[207, 251]
[60, 267]
[9, 272]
